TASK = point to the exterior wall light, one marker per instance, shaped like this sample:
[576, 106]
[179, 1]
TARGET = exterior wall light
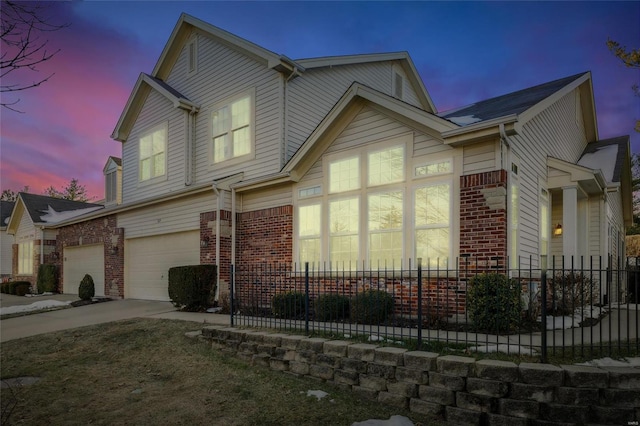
[557, 231]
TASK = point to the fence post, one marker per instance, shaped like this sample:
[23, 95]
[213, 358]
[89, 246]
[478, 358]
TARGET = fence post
[543, 310]
[306, 298]
[232, 294]
[419, 303]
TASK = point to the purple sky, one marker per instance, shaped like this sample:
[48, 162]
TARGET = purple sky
[464, 52]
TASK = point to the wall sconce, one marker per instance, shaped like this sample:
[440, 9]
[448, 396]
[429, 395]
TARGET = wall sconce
[557, 231]
[114, 250]
[204, 242]
[55, 255]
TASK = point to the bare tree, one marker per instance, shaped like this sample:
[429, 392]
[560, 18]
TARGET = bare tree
[22, 26]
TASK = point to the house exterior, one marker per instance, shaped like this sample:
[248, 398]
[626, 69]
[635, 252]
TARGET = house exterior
[6, 240]
[31, 226]
[232, 154]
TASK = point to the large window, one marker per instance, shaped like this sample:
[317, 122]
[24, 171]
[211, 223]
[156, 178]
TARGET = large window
[375, 213]
[232, 129]
[432, 216]
[25, 258]
[153, 158]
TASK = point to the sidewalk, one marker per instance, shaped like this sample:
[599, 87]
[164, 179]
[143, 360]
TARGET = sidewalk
[98, 313]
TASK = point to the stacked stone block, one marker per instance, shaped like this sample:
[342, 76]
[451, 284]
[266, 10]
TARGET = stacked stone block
[461, 390]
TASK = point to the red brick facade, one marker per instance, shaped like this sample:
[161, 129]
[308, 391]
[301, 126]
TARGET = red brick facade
[265, 236]
[483, 220]
[102, 230]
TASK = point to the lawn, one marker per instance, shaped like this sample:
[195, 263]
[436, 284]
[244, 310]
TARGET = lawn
[145, 371]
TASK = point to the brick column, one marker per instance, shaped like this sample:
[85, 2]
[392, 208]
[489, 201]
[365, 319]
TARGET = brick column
[483, 221]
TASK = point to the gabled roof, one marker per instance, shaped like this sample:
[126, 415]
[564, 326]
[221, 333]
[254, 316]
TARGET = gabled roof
[117, 162]
[517, 108]
[6, 208]
[612, 156]
[43, 210]
[402, 57]
[511, 103]
[341, 114]
[137, 97]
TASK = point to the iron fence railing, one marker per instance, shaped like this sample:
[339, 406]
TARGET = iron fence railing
[585, 307]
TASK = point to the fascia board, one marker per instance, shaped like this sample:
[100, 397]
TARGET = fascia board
[262, 182]
[480, 130]
[133, 105]
[330, 61]
[576, 173]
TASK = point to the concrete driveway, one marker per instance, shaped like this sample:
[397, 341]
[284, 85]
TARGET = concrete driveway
[98, 313]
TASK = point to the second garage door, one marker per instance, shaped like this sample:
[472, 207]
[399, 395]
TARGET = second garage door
[82, 260]
[148, 260]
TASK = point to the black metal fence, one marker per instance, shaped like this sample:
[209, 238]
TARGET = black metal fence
[585, 307]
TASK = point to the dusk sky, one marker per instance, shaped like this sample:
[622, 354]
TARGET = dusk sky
[464, 51]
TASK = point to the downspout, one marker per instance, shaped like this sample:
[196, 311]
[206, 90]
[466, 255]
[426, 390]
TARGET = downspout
[42, 245]
[190, 142]
[218, 208]
[233, 231]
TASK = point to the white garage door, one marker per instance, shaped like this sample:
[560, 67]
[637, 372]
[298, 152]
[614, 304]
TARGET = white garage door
[82, 260]
[148, 261]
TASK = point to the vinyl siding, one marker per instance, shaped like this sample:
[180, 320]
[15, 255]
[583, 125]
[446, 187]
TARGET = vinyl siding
[26, 231]
[266, 198]
[557, 132]
[157, 110]
[480, 157]
[164, 218]
[6, 252]
[223, 73]
[311, 97]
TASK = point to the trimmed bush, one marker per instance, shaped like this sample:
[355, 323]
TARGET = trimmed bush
[47, 278]
[19, 288]
[371, 307]
[191, 287]
[568, 292]
[288, 305]
[87, 289]
[494, 303]
[329, 307]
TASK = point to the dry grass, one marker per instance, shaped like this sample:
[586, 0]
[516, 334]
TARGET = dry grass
[146, 372]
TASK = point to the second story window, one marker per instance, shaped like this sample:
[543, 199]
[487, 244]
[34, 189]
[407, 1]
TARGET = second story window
[111, 190]
[232, 129]
[153, 159]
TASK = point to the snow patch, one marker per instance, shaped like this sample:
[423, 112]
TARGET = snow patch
[393, 421]
[603, 159]
[504, 348]
[464, 120]
[317, 393]
[608, 362]
[52, 216]
[579, 315]
[36, 306]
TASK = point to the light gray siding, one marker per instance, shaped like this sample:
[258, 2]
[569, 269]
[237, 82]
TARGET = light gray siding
[480, 157]
[164, 218]
[557, 132]
[266, 198]
[223, 73]
[311, 97]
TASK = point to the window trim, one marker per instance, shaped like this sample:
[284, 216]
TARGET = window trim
[192, 55]
[25, 264]
[414, 189]
[251, 93]
[163, 177]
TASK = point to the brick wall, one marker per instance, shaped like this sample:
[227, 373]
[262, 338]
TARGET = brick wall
[208, 227]
[483, 220]
[265, 236]
[459, 389]
[102, 230]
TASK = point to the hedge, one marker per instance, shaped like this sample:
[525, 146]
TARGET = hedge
[191, 287]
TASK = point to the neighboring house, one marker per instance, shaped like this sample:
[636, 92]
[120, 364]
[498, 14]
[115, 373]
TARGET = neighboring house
[234, 154]
[6, 240]
[31, 226]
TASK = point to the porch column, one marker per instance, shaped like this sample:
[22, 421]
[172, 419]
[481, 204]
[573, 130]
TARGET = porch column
[570, 222]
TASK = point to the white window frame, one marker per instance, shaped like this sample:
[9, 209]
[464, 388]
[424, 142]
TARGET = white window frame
[111, 186]
[447, 263]
[407, 187]
[164, 127]
[234, 159]
[544, 216]
[514, 218]
[25, 258]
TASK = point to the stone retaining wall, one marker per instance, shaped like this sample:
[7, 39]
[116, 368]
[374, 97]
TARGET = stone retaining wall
[460, 389]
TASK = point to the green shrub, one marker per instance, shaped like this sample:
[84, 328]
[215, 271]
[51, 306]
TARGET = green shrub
[567, 292]
[87, 289]
[288, 305]
[191, 287]
[22, 288]
[47, 278]
[494, 304]
[371, 307]
[329, 307]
